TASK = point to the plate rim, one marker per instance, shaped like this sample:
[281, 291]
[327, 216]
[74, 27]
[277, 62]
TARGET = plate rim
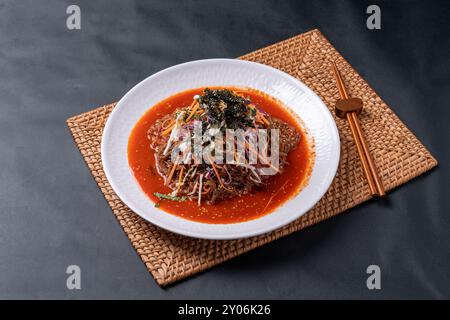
[229, 236]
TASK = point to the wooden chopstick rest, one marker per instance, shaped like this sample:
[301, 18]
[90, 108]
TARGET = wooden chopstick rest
[343, 106]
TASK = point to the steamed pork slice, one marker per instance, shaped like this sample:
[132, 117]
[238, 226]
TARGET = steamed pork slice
[289, 137]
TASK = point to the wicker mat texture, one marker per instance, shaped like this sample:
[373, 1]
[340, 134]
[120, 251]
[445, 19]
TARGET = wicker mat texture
[398, 154]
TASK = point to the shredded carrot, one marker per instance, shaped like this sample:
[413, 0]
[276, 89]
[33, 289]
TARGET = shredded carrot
[195, 105]
[217, 174]
[180, 178]
[262, 119]
[170, 121]
[172, 171]
[168, 130]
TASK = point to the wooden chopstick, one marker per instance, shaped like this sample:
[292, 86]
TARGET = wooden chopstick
[372, 166]
[340, 83]
[369, 167]
[362, 155]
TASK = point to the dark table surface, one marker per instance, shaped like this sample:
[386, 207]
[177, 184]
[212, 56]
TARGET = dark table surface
[53, 215]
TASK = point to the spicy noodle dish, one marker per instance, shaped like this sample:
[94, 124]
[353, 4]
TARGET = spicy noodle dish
[220, 154]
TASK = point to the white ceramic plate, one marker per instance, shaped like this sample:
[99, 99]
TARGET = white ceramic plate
[220, 72]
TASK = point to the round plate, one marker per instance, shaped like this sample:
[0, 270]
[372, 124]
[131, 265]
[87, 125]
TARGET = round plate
[220, 72]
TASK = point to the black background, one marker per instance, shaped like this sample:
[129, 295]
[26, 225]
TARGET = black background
[53, 215]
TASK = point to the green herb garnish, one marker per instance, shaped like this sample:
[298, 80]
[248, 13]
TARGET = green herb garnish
[169, 197]
[157, 205]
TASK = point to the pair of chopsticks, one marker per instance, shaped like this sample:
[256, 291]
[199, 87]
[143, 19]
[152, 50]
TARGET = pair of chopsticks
[349, 108]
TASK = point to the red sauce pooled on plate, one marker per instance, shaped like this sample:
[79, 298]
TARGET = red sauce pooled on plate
[250, 206]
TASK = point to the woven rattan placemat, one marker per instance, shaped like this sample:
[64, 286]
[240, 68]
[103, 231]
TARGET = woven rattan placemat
[397, 152]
